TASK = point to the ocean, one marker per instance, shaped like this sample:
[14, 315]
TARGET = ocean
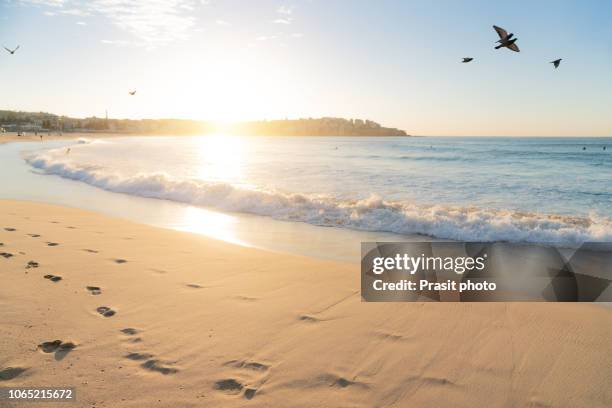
[539, 190]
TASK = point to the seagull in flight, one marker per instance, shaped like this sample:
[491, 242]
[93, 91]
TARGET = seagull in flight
[506, 40]
[11, 51]
[556, 62]
[467, 59]
[132, 92]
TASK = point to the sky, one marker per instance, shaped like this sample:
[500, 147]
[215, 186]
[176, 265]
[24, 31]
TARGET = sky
[395, 62]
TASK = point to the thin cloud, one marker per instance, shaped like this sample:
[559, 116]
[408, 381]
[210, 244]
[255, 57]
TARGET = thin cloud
[115, 42]
[282, 21]
[82, 23]
[285, 10]
[49, 3]
[222, 22]
[75, 12]
[285, 15]
[152, 23]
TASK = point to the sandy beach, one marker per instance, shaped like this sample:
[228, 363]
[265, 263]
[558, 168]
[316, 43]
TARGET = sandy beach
[199, 322]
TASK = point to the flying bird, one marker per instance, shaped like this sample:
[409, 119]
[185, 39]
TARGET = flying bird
[11, 51]
[467, 59]
[556, 62]
[506, 40]
[132, 93]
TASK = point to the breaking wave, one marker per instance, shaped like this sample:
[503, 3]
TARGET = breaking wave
[370, 214]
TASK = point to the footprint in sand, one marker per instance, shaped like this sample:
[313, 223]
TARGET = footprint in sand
[138, 356]
[51, 346]
[52, 244]
[11, 372]
[119, 261]
[32, 264]
[105, 311]
[333, 380]
[250, 365]
[91, 251]
[309, 319]
[1, 243]
[249, 393]
[232, 386]
[6, 255]
[151, 364]
[9, 229]
[34, 235]
[229, 385]
[60, 348]
[56, 346]
[130, 332]
[94, 290]
[70, 227]
[194, 286]
[53, 278]
[159, 367]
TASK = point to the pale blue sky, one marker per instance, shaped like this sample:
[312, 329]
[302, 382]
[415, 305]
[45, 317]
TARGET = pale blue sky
[396, 62]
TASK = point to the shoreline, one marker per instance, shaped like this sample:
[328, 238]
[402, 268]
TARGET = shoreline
[280, 330]
[251, 230]
[11, 137]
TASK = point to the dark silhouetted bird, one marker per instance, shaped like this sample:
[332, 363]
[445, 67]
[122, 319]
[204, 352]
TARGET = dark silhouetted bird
[12, 51]
[556, 62]
[132, 93]
[467, 59]
[506, 40]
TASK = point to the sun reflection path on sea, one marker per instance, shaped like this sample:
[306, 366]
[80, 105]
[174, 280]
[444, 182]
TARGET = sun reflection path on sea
[213, 224]
[221, 158]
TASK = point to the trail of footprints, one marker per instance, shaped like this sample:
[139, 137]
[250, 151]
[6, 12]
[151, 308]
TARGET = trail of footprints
[61, 348]
[148, 361]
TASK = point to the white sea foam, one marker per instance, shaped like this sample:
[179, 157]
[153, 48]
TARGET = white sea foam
[371, 214]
